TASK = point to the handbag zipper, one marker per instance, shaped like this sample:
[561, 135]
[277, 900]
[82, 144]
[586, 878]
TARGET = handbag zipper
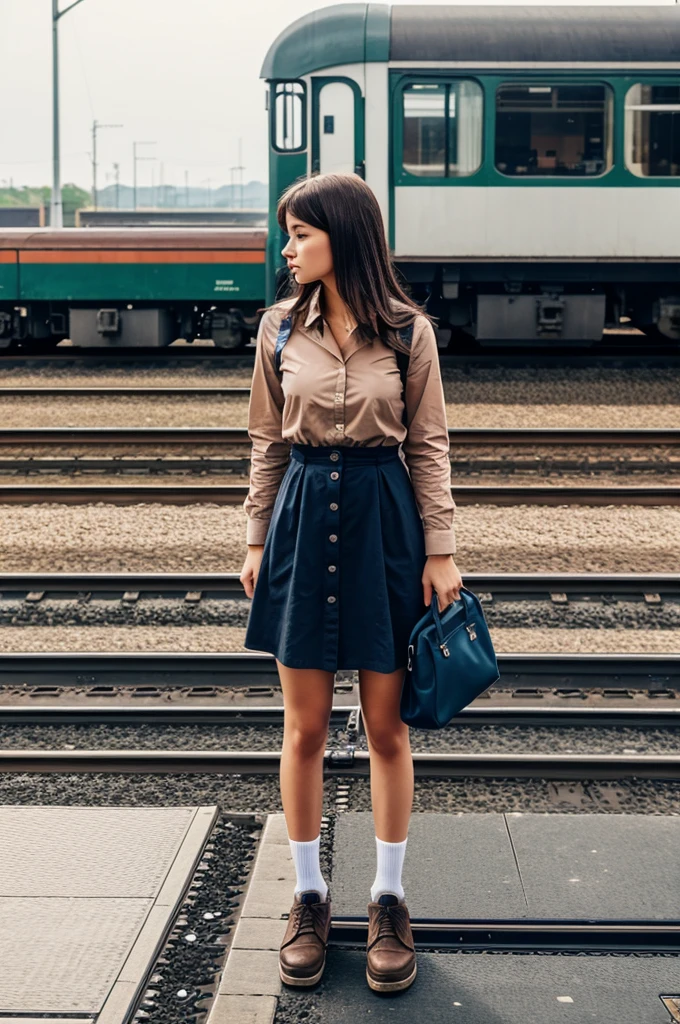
[472, 633]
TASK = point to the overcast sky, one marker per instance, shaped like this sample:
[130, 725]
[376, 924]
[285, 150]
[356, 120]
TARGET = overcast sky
[183, 73]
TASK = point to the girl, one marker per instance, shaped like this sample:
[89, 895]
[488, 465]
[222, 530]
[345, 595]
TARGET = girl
[350, 527]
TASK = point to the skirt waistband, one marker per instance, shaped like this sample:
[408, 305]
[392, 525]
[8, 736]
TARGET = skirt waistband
[343, 453]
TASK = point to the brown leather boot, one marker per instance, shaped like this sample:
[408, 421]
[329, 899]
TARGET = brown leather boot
[390, 950]
[302, 954]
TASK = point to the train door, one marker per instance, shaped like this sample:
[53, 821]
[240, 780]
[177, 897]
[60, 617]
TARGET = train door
[337, 126]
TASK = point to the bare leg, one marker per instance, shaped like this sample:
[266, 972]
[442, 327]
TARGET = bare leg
[390, 752]
[307, 700]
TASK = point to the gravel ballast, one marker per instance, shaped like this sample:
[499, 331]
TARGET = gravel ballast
[112, 639]
[52, 537]
[476, 396]
[510, 739]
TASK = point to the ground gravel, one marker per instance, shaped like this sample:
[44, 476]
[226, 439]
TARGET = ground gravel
[485, 395]
[75, 638]
[51, 537]
[453, 739]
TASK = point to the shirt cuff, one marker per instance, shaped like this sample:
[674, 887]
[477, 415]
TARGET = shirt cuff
[440, 542]
[256, 531]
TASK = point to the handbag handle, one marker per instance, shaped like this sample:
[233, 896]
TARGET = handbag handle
[434, 605]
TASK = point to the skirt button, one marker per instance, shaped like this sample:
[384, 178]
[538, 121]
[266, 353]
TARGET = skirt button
[333, 506]
[334, 475]
[332, 538]
[334, 456]
[331, 599]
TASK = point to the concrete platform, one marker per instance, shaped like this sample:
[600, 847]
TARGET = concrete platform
[520, 867]
[87, 898]
[475, 868]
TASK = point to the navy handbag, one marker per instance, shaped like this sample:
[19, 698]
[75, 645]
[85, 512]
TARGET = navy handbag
[451, 661]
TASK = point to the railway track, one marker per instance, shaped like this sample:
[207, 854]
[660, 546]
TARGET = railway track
[556, 587]
[347, 762]
[192, 494]
[543, 493]
[157, 674]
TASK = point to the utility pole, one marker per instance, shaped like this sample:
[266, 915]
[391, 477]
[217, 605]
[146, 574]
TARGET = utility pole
[56, 211]
[240, 168]
[237, 167]
[135, 158]
[116, 168]
[95, 128]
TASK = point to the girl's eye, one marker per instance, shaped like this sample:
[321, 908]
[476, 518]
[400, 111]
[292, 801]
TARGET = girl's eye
[300, 236]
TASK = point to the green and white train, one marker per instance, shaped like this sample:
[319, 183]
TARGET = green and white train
[526, 159]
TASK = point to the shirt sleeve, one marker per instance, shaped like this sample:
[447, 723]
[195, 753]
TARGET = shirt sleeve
[270, 454]
[426, 446]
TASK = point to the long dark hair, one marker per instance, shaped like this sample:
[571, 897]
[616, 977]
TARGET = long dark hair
[345, 207]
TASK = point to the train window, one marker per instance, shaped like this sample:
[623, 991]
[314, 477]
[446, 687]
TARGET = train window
[653, 130]
[553, 130]
[442, 128]
[288, 126]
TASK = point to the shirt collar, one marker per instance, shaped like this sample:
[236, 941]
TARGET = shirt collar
[314, 310]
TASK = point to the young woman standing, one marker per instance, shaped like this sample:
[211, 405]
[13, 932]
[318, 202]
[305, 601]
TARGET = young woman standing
[347, 537]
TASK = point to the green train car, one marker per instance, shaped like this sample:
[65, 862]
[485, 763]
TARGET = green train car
[526, 160]
[132, 286]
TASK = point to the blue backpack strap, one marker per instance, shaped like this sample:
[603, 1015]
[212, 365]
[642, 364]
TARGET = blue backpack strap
[281, 339]
[406, 335]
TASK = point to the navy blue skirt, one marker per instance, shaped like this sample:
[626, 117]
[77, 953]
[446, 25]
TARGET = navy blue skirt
[340, 584]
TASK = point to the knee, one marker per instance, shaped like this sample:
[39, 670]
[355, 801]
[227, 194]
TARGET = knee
[307, 738]
[388, 741]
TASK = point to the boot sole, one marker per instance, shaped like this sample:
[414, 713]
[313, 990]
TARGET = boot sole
[391, 986]
[289, 979]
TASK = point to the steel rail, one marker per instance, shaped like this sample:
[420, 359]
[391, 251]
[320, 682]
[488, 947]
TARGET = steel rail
[349, 761]
[654, 673]
[580, 936]
[342, 716]
[492, 436]
[534, 586]
[235, 494]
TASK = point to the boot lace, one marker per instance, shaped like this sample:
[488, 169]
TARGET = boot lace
[387, 923]
[307, 916]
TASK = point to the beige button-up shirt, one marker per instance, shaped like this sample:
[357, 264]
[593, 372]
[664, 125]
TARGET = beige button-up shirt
[349, 395]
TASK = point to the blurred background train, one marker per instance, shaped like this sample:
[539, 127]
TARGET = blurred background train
[526, 160]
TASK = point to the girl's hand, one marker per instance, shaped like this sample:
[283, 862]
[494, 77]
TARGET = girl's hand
[251, 568]
[441, 574]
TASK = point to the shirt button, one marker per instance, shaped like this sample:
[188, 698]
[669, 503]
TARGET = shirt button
[331, 599]
[334, 476]
[333, 506]
[334, 456]
[333, 537]
[331, 568]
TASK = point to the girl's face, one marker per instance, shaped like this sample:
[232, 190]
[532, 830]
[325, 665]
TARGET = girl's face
[308, 250]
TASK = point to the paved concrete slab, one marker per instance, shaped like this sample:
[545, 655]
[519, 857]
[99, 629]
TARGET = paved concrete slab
[460, 867]
[518, 867]
[479, 988]
[250, 977]
[600, 867]
[87, 897]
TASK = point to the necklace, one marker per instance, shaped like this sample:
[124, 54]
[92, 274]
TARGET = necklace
[346, 322]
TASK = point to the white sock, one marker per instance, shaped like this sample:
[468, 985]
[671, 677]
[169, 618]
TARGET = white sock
[390, 863]
[307, 866]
